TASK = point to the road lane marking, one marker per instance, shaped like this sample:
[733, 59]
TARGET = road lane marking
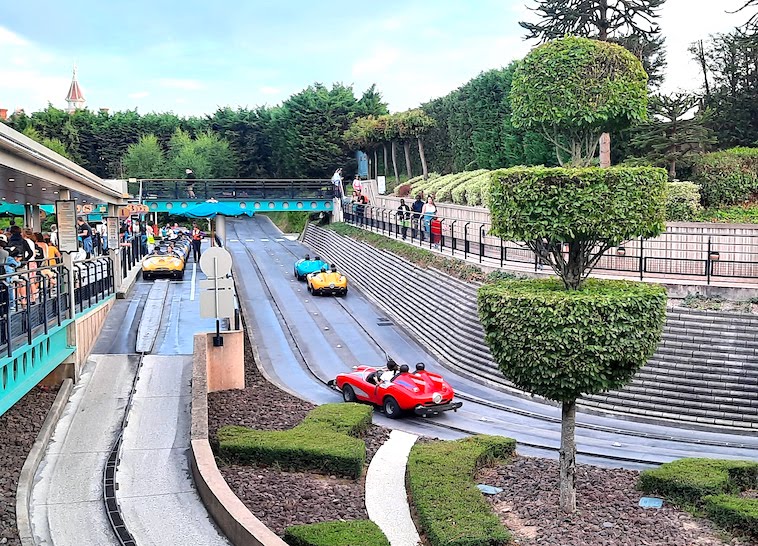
[194, 273]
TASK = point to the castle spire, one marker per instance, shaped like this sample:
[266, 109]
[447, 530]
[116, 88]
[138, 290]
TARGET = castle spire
[75, 98]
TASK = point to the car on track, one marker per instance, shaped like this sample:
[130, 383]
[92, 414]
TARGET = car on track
[167, 260]
[306, 266]
[397, 391]
[327, 282]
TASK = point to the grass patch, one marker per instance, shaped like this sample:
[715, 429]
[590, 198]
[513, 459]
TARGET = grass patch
[418, 256]
[451, 510]
[336, 533]
[737, 214]
[288, 221]
[326, 441]
[712, 484]
[699, 301]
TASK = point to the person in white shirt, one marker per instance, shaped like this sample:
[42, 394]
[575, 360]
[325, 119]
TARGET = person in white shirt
[337, 184]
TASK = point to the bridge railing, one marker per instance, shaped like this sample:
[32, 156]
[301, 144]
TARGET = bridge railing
[673, 253]
[233, 189]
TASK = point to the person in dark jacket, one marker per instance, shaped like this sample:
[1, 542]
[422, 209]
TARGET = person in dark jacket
[404, 217]
[16, 240]
[417, 207]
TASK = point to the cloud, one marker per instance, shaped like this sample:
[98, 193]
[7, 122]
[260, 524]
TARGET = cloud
[268, 90]
[183, 84]
[9, 38]
[138, 95]
[379, 61]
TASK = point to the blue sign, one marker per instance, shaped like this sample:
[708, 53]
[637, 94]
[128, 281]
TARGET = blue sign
[651, 502]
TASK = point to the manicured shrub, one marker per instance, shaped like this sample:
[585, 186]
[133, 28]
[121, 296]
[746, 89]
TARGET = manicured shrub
[737, 514]
[562, 343]
[682, 201]
[326, 441]
[477, 190]
[403, 190]
[451, 510]
[336, 533]
[687, 481]
[727, 177]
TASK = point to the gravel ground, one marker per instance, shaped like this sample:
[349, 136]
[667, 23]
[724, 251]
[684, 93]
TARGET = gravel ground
[19, 427]
[280, 499]
[608, 513]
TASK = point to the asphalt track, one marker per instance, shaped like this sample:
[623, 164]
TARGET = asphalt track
[303, 341]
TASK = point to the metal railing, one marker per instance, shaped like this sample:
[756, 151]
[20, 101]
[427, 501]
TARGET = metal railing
[32, 300]
[93, 282]
[129, 254]
[201, 190]
[688, 254]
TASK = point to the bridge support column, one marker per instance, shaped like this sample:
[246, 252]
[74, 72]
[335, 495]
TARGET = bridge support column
[337, 210]
[31, 218]
[68, 367]
[221, 228]
[114, 253]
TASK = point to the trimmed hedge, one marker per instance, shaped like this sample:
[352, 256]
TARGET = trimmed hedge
[727, 177]
[464, 188]
[336, 533]
[326, 441]
[451, 510]
[561, 343]
[711, 483]
[682, 201]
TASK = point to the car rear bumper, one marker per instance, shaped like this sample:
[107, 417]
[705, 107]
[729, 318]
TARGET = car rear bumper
[426, 411]
[331, 291]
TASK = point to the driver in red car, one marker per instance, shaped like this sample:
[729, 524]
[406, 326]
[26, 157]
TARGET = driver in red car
[390, 372]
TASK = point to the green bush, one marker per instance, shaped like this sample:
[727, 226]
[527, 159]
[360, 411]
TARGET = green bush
[736, 214]
[451, 510]
[727, 177]
[336, 533]
[682, 201]
[687, 481]
[734, 513]
[326, 441]
[564, 343]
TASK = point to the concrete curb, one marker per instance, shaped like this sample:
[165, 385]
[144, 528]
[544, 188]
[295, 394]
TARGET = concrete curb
[29, 470]
[149, 325]
[386, 496]
[128, 282]
[234, 519]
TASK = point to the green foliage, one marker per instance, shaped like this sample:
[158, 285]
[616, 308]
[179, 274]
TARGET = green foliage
[733, 513]
[687, 481]
[418, 256]
[562, 344]
[682, 201]
[700, 301]
[451, 510]
[727, 177]
[53, 144]
[359, 532]
[500, 275]
[288, 221]
[573, 89]
[145, 159]
[737, 214]
[326, 441]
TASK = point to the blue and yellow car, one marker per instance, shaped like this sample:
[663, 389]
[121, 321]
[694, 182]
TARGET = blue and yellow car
[167, 260]
[327, 282]
[307, 266]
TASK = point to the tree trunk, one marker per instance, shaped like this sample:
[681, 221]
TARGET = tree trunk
[376, 165]
[407, 148]
[672, 170]
[573, 271]
[385, 159]
[394, 162]
[605, 150]
[567, 457]
[423, 158]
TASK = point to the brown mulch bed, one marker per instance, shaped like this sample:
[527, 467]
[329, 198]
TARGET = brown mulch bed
[19, 427]
[608, 510]
[280, 499]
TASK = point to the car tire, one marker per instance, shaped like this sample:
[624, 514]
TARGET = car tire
[348, 394]
[391, 408]
[179, 276]
[310, 290]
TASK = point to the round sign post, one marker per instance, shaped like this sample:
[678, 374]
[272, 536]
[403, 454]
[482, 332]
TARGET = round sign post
[216, 263]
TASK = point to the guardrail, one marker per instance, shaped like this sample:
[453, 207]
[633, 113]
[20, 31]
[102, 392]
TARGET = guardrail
[239, 189]
[129, 255]
[689, 254]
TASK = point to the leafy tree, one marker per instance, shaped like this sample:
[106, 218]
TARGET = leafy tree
[145, 159]
[562, 343]
[415, 124]
[53, 144]
[752, 22]
[651, 51]
[249, 135]
[668, 138]
[364, 134]
[573, 90]
[207, 155]
[391, 135]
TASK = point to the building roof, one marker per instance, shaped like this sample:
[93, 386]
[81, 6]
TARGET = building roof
[75, 92]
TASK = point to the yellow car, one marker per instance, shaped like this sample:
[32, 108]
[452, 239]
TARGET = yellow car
[163, 263]
[327, 281]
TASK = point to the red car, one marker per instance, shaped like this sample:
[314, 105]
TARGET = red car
[397, 390]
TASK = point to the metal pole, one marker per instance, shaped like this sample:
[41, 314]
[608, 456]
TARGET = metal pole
[465, 240]
[481, 242]
[453, 240]
[642, 259]
[708, 263]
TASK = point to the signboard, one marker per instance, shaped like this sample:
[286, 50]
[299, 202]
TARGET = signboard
[381, 183]
[216, 262]
[65, 213]
[111, 225]
[132, 209]
[217, 298]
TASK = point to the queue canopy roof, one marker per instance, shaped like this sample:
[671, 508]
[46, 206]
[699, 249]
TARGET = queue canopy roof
[209, 209]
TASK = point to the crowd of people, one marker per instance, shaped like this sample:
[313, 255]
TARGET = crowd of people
[421, 217]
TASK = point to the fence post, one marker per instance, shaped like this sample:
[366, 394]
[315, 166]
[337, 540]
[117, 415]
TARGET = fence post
[442, 235]
[502, 253]
[481, 242]
[708, 263]
[452, 237]
[642, 259]
[465, 240]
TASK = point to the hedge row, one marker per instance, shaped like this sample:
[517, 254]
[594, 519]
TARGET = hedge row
[336, 533]
[451, 510]
[326, 441]
[712, 484]
[682, 202]
[465, 188]
[727, 177]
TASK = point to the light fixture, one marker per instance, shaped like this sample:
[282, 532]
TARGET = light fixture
[621, 251]
[11, 180]
[5, 198]
[28, 184]
[55, 192]
[714, 256]
[15, 200]
[44, 189]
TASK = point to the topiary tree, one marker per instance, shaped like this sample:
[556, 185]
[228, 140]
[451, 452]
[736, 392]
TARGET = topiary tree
[564, 338]
[573, 90]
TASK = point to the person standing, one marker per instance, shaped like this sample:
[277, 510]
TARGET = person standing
[85, 232]
[150, 238]
[429, 211]
[189, 175]
[357, 184]
[54, 235]
[404, 217]
[197, 239]
[417, 207]
[337, 184]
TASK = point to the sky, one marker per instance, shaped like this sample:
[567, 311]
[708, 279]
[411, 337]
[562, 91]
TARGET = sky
[192, 57]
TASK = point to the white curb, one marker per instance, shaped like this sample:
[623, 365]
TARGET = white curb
[386, 498]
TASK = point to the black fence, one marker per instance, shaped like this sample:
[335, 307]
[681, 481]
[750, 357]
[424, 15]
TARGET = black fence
[202, 190]
[679, 253]
[93, 282]
[130, 253]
